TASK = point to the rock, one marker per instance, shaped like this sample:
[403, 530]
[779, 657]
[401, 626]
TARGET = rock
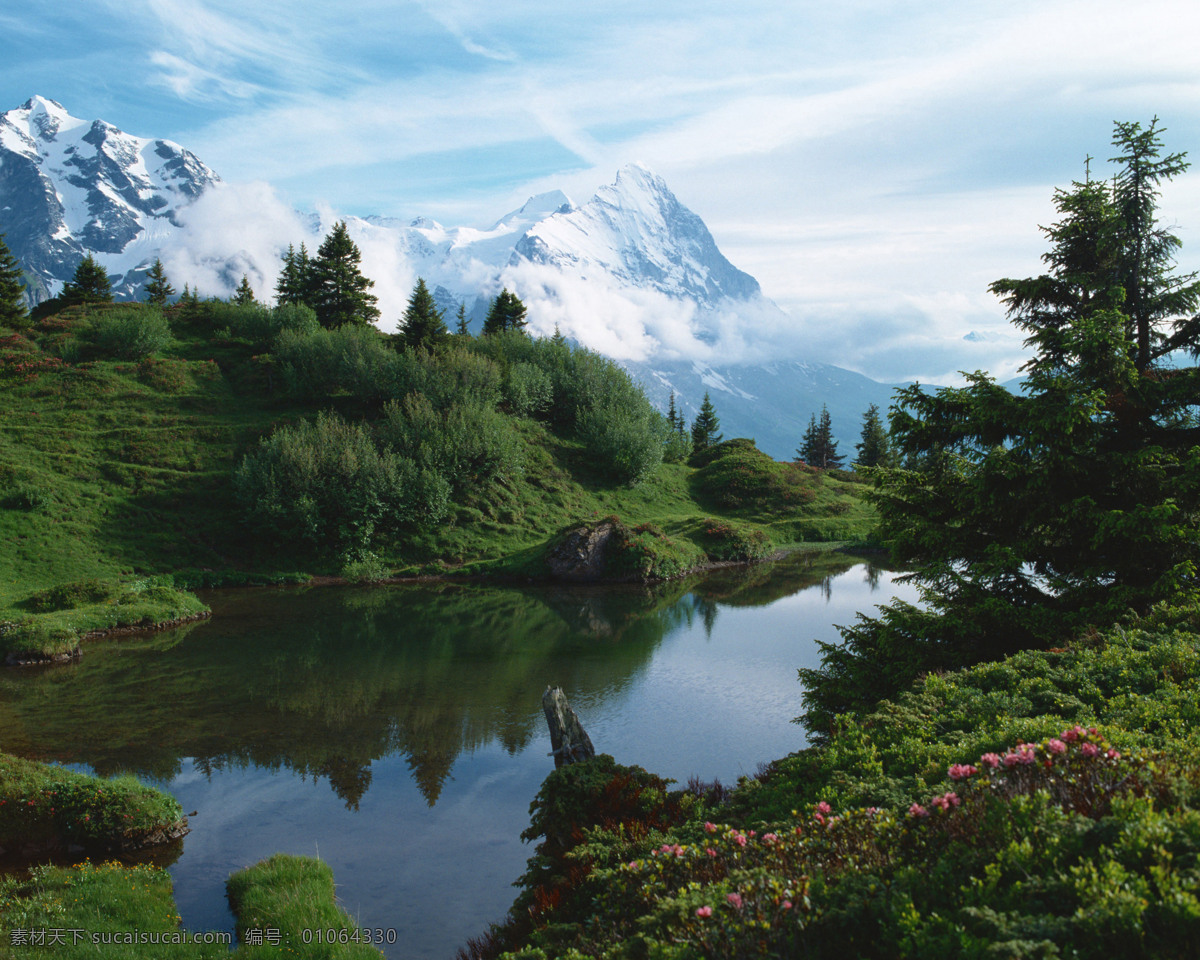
[582, 553]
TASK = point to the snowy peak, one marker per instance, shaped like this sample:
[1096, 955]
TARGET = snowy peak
[636, 230]
[70, 186]
[535, 209]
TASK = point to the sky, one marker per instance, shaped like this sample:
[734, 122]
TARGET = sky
[875, 165]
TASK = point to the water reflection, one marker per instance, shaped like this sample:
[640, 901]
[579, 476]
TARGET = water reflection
[325, 681]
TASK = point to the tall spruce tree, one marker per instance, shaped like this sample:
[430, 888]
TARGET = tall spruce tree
[339, 292]
[294, 285]
[158, 287]
[506, 313]
[243, 296]
[13, 309]
[875, 448]
[1038, 516]
[461, 325]
[88, 285]
[706, 426]
[818, 448]
[423, 324]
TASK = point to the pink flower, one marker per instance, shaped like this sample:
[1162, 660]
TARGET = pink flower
[741, 839]
[916, 810]
[704, 911]
[1056, 746]
[1089, 750]
[990, 760]
[1073, 734]
[787, 904]
[710, 827]
[1113, 754]
[823, 807]
[710, 851]
[735, 899]
[946, 801]
[960, 771]
[770, 837]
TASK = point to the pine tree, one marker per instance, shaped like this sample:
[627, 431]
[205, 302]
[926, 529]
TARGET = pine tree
[295, 283]
[423, 324]
[339, 290]
[461, 326]
[1064, 508]
[244, 295]
[875, 449]
[13, 310]
[705, 426]
[818, 448]
[506, 313]
[674, 421]
[558, 339]
[158, 288]
[88, 285]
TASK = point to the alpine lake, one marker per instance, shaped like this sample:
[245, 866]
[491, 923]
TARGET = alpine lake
[397, 732]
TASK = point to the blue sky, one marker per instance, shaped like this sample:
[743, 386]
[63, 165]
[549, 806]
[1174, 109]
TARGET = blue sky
[874, 164]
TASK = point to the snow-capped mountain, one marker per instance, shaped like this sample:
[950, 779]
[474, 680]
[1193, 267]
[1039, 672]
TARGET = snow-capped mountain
[69, 187]
[631, 273]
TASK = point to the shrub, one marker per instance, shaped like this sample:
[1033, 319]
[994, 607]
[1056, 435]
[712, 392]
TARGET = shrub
[259, 324]
[723, 540]
[624, 437]
[528, 389]
[76, 594]
[646, 553]
[130, 333]
[324, 482]
[352, 358]
[469, 445]
[736, 475]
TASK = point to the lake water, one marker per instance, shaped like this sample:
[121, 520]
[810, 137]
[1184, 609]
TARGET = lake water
[397, 732]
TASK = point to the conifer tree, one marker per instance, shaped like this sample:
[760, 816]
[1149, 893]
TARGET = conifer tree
[295, 282]
[158, 288]
[818, 448]
[1037, 516]
[705, 426]
[674, 421]
[461, 327]
[423, 324]
[244, 295]
[88, 285]
[506, 313]
[558, 339]
[875, 449]
[339, 291]
[13, 310]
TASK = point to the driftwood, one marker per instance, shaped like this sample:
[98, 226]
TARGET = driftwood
[569, 740]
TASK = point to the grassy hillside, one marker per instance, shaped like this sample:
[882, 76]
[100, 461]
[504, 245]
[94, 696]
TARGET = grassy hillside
[118, 451]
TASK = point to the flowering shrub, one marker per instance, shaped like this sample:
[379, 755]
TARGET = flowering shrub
[1061, 847]
[728, 541]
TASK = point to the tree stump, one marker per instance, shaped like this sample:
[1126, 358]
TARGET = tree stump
[568, 739]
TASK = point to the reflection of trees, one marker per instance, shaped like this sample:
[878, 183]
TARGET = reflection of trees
[325, 681]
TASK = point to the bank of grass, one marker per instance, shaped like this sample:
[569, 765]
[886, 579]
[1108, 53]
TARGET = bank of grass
[45, 808]
[1041, 806]
[294, 896]
[51, 623]
[280, 904]
[116, 469]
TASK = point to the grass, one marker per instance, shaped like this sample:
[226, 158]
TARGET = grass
[44, 807]
[285, 907]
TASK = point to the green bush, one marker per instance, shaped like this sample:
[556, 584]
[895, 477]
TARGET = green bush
[324, 482]
[723, 540]
[528, 389]
[259, 324]
[66, 595]
[352, 358]
[646, 553]
[130, 333]
[469, 445]
[624, 437]
[736, 475]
